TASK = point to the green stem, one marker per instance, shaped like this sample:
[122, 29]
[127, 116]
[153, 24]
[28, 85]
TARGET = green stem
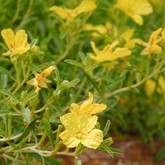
[23, 22]
[16, 12]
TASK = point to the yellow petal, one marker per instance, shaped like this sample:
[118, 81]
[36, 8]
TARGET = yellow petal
[20, 39]
[68, 139]
[9, 37]
[93, 139]
[47, 71]
[142, 7]
[33, 82]
[89, 101]
[77, 122]
[137, 18]
[120, 52]
[86, 6]
[59, 11]
[128, 34]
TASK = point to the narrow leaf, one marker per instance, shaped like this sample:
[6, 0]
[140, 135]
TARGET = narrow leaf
[107, 127]
[48, 130]
[73, 62]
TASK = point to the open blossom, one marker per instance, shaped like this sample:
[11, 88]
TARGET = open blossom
[88, 107]
[135, 9]
[152, 45]
[16, 42]
[80, 129]
[109, 52]
[40, 79]
[70, 14]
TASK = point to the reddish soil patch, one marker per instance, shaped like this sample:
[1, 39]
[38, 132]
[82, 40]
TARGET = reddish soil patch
[134, 153]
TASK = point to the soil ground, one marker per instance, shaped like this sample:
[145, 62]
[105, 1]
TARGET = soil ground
[134, 153]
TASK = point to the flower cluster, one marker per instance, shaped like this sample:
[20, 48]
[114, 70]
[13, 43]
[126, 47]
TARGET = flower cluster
[80, 125]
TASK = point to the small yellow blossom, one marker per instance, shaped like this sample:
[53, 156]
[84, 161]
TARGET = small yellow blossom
[88, 107]
[135, 9]
[129, 41]
[152, 45]
[80, 129]
[70, 14]
[40, 79]
[109, 53]
[17, 43]
[150, 87]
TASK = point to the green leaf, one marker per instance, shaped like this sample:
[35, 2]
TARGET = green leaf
[5, 71]
[4, 80]
[30, 127]
[33, 43]
[46, 160]
[4, 112]
[107, 127]
[80, 150]
[8, 93]
[30, 96]
[77, 161]
[26, 115]
[73, 62]
[135, 90]
[116, 151]
[160, 155]
[66, 84]
[48, 130]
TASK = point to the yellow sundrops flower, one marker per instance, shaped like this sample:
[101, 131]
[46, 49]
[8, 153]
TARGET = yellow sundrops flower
[152, 45]
[17, 43]
[40, 79]
[129, 41]
[80, 129]
[135, 9]
[70, 14]
[109, 53]
[88, 107]
[150, 87]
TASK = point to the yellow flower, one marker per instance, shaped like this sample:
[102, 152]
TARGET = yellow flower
[80, 129]
[70, 14]
[150, 87]
[40, 79]
[109, 53]
[135, 9]
[88, 107]
[152, 45]
[129, 41]
[17, 43]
